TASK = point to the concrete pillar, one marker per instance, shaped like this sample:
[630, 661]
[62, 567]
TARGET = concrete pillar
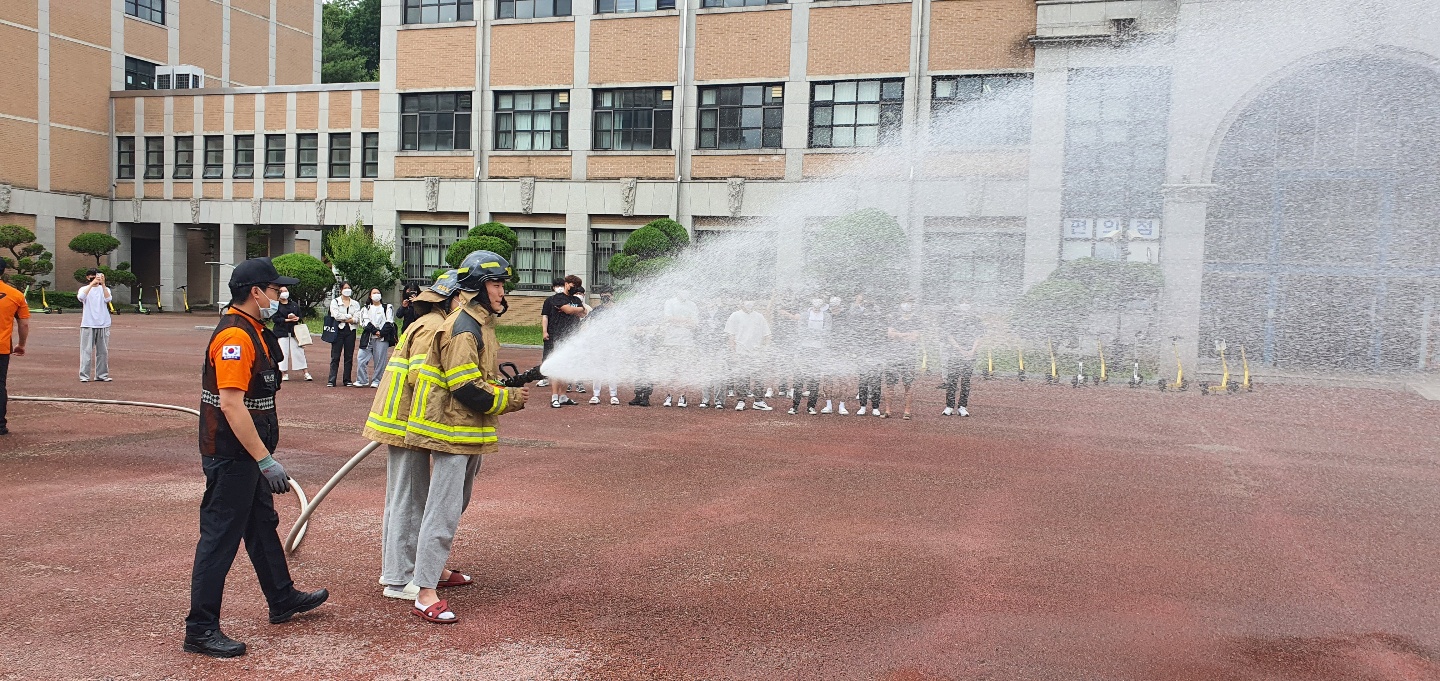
[232, 247]
[577, 246]
[282, 241]
[1047, 166]
[174, 263]
[125, 233]
[1182, 260]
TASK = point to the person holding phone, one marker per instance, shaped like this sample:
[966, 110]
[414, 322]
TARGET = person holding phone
[94, 328]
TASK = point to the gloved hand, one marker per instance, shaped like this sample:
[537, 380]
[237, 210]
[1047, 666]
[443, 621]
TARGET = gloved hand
[275, 475]
[518, 397]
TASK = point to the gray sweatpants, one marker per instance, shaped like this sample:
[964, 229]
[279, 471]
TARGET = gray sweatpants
[425, 493]
[94, 353]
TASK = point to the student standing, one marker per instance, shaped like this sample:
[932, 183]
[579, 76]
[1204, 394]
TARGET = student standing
[904, 335]
[377, 323]
[14, 327]
[559, 316]
[814, 330]
[285, 320]
[94, 328]
[962, 343]
[749, 336]
[681, 317]
[866, 329]
[346, 312]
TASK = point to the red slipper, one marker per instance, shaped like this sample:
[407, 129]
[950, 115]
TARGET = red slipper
[456, 579]
[432, 614]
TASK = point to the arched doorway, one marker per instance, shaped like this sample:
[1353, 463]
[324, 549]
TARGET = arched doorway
[1322, 242]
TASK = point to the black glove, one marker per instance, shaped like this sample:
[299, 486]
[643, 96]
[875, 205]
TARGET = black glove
[275, 475]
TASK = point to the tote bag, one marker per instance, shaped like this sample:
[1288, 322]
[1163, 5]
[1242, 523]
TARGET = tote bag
[330, 330]
[302, 335]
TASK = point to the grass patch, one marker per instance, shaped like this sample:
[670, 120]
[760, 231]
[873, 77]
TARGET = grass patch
[520, 334]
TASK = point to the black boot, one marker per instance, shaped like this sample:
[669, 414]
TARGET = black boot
[302, 602]
[214, 644]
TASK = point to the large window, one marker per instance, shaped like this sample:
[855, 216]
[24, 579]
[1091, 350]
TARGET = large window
[532, 120]
[980, 111]
[184, 158]
[604, 244]
[214, 157]
[370, 166]
[139, 74]
[244, 157]
[438, 11]
[274, 156]
[608, 6]
[149, 10]
[154, 158]
[539, 257]
[425, 247]
[636, 118]
[307, 154]
[530, 9]
[855, 113]
[741, 116]
[125, 158]
[340, 154]
[741, 3]
[435, 121]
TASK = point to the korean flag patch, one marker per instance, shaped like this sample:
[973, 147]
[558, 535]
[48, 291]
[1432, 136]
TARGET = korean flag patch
[230, 352]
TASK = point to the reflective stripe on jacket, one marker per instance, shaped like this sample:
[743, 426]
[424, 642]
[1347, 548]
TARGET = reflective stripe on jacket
[391, 408]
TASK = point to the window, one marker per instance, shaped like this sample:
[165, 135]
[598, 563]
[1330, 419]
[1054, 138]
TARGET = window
[633, 119]
[139, 74]
[532, 120]
[307, 154]
[370, 161]
[855, 113]
[184, 158]
[274, 156]
[149, 10]
[539, 257]
[214, 157]
[154, 158]
[608, 6]
[438, 121]
[340, 154]
[604, 244]
[244, 157]
[424, 248]
[741, 116]
[741, 3]
[439, 11]
[531, 9]
[980, 111]
[125, 158]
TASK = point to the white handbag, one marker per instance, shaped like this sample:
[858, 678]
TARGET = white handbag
[302, 335]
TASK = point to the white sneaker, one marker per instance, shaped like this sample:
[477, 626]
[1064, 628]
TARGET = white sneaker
[827, 410]
[791, 411]
[555, 401]
[861, 411]
[730, 394]
[307, 376]
[667, 401]
[759, 405]
[704, 405]
[544, 383]
[769, 393]
[681, 402]
[843, 411]
[595, 400]
[874, 412]
[375, 384]
[963, 411]
[740, 405]
[285, 377]
[790, 394]
[810, 411]
[719, 404]
[805, 394]
[579, 387]
[948, 412]
[407, 592]
[614, 400]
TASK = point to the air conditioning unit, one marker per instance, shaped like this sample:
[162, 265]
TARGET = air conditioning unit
[184, 77]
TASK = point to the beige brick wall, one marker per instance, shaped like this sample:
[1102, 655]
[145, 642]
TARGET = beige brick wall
[367, 191]
[260, 7]
[294, 57]
[981, 34]
[646, 167]
[305, 190]
[434, 166]
[183, 116]
[742, 45]
[524, 310]
[435, 58]
[201, 26]
[826, 165]
[370, 109]
[66, 260]
[550, 167]
[21, 141]
[340, 103]
[249, 59]
[244, 112]
[276, 110]
[275, 190]
[242, 190]
[153, 190]
[124, 115]
[87, 20]
[19, 78]
[23, 13]
[79, 85]
[523, 55]
[124, 190]
[615, 59]
[760, 167]
[214, 106]
[154, 116]
[213, 190]
[860, 39]
[147, 41]
[1012, 165]
[80, 161]
[307, 110]
[296, 13]
[338, 190]
[180, 189]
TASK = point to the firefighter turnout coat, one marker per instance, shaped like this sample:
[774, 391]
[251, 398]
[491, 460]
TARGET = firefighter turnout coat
[458, 397]
[391, 408]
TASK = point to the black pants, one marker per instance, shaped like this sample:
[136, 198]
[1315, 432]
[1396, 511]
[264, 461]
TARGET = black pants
[870, 384]
[236, 506]
[959, 371]
[4, 394]
[810, 383]
[344, 342]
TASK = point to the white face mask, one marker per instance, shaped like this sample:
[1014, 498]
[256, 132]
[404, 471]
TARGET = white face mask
[284, 295]
[346, 292]
[375, 297]
[815, 302]
[559, 289]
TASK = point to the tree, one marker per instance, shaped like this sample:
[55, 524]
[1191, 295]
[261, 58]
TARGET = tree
[863, 250]
[315, 279]
[350, 41]
[28, 261]
[361, 259]
[94, 244]
[1062, 307]
[119, 275]
[649, 250]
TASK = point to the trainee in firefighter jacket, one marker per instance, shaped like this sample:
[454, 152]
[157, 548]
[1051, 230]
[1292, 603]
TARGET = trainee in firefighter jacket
[391, 407]
[216, 437]
[458, 398]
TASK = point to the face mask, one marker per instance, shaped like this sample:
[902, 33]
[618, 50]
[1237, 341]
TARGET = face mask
[905, 307]
[559, 289]
[375, 297]
[270, 310]
[815, 302]
[346, 292]
[284, 295]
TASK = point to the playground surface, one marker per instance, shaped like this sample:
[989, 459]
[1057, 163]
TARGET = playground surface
[1060, 533]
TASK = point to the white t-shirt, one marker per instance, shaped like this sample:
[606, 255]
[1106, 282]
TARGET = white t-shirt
[96, 314]
[749, 330]
[676, 333]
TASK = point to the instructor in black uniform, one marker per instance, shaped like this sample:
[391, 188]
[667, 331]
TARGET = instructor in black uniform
[238, 435]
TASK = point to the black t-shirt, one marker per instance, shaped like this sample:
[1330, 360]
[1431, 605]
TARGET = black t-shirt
[561, 324]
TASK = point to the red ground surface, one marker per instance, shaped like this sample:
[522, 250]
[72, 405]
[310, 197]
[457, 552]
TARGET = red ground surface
[1059, 534]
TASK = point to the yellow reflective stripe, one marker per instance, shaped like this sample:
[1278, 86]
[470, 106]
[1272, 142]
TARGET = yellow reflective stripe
[461, 375]
[456, 434]
[386, 425]
[502, 400]
[397, 390]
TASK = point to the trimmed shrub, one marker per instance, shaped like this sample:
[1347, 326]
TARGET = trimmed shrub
[94, 244]
[468, 245]
[28, 261]
[679, 238]
[648, 242]
[497, 230]
[315, 277]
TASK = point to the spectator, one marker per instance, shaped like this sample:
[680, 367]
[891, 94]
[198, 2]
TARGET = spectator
[838, 358]
[904, 335]
[677, 339]
[865, 327]
[559, 316]
[286, 317]
[606, 300]
[14, 328]
[711, 339]
[346, 312]
[815, 324]
[377, 324]
[94, 328]
[961, 344]
[749, 336]
[407, 312]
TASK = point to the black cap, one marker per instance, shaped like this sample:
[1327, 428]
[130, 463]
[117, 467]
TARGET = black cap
[258, 272]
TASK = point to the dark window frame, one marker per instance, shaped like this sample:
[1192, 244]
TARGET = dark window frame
[214, 151]
[369, 155]
[244, 158]
[184, 158]
[532, 241]
[706, 4]
[629, 6]
[846, 101]
[532, 9]
[339, 160]
[951, 96]
[149, 10]
[437, 11]
[139, 74]
[426, 114]
[727, 112]
[307, 155]
[604, 244]
[274, 157]
[423, 248]
[509, 116]
[619, 120]
[154, 158]
[125, 158]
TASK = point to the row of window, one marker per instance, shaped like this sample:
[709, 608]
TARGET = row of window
[307, 157]
[444, 11]
[149, 10]
[539, 254]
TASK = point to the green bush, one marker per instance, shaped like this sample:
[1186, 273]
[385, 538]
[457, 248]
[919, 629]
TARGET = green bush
[315, 277]
[648, 242]
[28, 261]
[679, 238]
[361, 259]
[1060, 307]
[119, 275]
[57, 299]
[94, 244]
[468, 245]
[863, 250]
[497, 230]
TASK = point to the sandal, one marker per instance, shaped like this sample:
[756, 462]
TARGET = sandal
[906, 416]
[456, 579]
[433, 613]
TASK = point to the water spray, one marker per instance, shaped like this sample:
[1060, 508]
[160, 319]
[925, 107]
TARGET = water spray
[1079, 378]
[1136, 380]
[989, 371]
[1054, 377]
[1020, 353]
[1179, 383]
[1102, 377]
